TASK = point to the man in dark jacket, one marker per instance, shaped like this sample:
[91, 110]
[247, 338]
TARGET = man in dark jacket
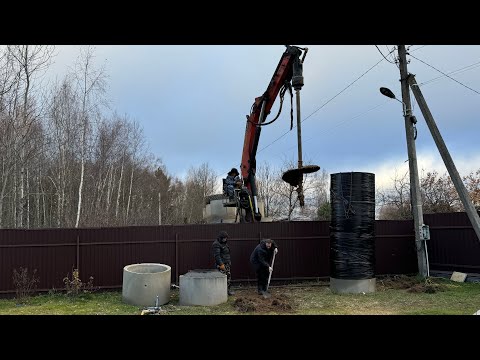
[221, 254]
[261, 259]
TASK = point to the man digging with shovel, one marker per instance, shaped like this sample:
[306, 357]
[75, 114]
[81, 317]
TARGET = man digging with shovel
[262, 256]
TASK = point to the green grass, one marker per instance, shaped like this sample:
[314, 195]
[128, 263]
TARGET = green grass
[457, 298]
[105, 303]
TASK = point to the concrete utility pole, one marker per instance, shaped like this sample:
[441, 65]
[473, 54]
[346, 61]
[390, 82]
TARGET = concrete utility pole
[447, 159]
[415, 195]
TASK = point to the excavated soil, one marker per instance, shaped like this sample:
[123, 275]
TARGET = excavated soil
[409, 283]
[248, 301]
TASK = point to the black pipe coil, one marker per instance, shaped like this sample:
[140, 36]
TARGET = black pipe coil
[352, 228]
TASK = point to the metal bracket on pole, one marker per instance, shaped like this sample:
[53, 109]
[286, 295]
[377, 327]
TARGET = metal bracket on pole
[425, 232]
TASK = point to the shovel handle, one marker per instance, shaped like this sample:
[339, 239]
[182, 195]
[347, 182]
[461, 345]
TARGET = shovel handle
[270, 275]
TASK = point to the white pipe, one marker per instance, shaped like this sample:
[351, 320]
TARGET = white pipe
[426, 255]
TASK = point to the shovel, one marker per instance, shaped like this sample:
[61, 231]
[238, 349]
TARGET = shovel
[267, 295]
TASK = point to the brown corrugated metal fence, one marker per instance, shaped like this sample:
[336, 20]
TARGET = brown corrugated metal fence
[453, 245]
[304, 249]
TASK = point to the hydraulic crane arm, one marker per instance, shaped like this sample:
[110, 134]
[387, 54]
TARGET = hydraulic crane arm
[289, 69]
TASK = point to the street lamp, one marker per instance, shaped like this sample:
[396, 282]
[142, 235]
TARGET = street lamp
[388, 93]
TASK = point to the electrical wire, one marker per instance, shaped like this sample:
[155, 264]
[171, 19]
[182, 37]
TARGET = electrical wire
[458, 71]
[327, 131]
[441, 72]
[383, 55]
[418, 48]
[328, 101]
[393, 56]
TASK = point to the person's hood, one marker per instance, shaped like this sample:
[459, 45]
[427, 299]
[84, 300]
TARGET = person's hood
[222, 237]
[263, 244]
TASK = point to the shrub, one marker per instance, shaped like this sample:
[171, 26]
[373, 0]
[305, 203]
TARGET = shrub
[24, 283]
[75, 286]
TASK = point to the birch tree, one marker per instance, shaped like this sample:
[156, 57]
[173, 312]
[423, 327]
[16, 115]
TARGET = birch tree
[63, 120]
[32, 61]
[136, 141]
[200, 183]
[9, 79]
[321, 196]
[91, 84]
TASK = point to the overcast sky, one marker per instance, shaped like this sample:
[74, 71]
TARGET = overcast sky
[192, 103]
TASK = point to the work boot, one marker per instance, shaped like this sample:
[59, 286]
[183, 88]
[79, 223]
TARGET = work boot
[230, 292]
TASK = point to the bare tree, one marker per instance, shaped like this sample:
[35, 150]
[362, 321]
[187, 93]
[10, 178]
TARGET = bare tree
[91, 85]
[9, 80]
[31, 61]
[166, 196]
[321, 196]
[137, 155]
[439, 194]
[110, 146]
[281, 199]
[122, 152]
[63, 121]
[394, 203]
[201, 182]
[80, 167]
[472, 183]
[177, 195]
[266, 184]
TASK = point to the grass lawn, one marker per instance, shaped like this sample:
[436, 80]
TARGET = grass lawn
[394, 295]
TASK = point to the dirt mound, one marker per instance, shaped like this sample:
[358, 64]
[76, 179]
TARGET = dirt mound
[409, 283]
[250, 301]
[397, 282]
[427, 286]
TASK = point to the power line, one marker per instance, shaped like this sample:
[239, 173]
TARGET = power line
[348, 120]
[391, 55]
[417, 48]
[441, 72]
[328, 101]
[383, 55]
[458, 71]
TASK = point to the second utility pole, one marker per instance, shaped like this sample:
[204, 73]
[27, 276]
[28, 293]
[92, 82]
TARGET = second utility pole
[447, 159]
[415, 195]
